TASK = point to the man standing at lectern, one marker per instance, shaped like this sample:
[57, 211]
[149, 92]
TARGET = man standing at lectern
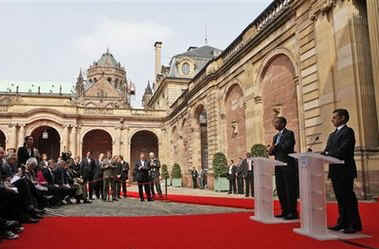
[341, 145]
[286, 177]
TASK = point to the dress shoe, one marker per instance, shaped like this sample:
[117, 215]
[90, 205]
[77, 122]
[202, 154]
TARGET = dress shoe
[115, 199]
[18, 229]
[86, 201]
[349, 230]
[336, 227]
[10, 235]
[31, 221]
[11, 223]
[291, 217]
[282, 215]
[150, 199]
[142, 200]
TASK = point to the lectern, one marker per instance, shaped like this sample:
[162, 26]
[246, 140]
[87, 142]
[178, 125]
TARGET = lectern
[263, 174]
[313, 219]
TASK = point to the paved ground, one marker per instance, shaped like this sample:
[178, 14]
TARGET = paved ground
[134, 207]
[196, 192]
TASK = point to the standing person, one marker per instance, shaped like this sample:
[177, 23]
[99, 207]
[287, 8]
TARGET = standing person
[124, 176]
[107, 175]
[142, 177]
[87, 166]
[247, 168]
[286, 177]
[240, 177]
[98, 177]
[341, 144]
[232, 174]
[194, 175]
[27, 151]
[155, 165]
[116, 177]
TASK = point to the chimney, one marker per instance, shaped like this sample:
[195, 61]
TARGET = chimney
[157, 46]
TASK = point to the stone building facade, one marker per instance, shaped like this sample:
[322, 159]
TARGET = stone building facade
[298, 58]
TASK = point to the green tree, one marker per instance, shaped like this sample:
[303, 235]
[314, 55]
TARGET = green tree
[164, 172]
[176, 171]
[220, 165]
[259, 150]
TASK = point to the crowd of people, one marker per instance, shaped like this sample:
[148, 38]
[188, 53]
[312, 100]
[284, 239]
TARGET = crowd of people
[241, 176]
[32, 185]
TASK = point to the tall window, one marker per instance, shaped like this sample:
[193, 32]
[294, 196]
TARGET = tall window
[186, 68]
[203, 139]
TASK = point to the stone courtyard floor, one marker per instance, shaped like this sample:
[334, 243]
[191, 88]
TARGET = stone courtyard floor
[134, 207]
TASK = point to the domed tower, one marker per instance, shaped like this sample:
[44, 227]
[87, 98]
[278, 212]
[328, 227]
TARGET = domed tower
[109, 69]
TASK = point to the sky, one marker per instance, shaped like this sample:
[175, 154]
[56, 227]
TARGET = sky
[50, 41]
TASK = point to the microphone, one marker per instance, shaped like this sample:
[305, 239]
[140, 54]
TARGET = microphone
[314, 141]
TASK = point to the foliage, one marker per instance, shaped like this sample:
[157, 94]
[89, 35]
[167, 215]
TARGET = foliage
[220, 165]
[164, 172]
[259, 150]
[176, 171]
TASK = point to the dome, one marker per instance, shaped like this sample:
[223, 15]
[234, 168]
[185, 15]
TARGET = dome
[107, 60]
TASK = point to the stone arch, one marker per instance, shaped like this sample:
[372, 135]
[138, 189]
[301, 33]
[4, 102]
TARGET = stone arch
[200, 137]
[49, 145]
[131, 134]
[235, 120]
[42, 120]
[3, 139]
[278, 89]
[266, 62]
[145, 141]
[97, 141]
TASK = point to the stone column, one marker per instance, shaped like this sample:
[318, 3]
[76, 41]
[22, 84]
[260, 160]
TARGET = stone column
[373, 24]
[21, 135]
[73, 141]
[78, 142]
[12, 139]
[64, 143]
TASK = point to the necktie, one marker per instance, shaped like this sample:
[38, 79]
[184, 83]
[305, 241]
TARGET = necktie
[278, 138]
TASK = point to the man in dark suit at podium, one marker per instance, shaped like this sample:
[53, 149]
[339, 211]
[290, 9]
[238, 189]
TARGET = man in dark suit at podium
[341, 145]
[142, 176]
[286, 177]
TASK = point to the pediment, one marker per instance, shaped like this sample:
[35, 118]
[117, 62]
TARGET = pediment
[102, 88]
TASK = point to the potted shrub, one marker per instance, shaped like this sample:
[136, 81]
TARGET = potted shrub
[259, 150]
[164, 173]
[176, 175]
[220, 169]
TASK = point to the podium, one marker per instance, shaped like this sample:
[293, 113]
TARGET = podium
[313, 219]
[263, 175]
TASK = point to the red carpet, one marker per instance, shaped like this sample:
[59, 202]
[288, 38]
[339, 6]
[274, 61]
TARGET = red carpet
[229, 231]
[205, 200]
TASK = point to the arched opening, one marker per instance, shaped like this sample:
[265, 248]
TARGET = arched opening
[2, 140]
[202, 123]
[279, 96]
[47, 141]
[235, 123]
[97, 141]
[142, 141]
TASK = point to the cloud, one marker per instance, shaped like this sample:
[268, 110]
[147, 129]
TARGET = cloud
[122, 36]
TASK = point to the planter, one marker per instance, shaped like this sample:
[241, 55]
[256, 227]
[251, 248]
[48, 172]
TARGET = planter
[177, 182]
[221, 184]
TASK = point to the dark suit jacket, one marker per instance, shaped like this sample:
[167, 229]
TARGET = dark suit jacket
[60, 176]
[154, 166]
[48, 176]
[97, 171]
[87, 170]
[142, 174]
[233, 174]
[286, 146]
[124, 171]
[341, 144]
[23, 155]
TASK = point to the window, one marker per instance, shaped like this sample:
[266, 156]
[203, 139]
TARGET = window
[185, 68]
